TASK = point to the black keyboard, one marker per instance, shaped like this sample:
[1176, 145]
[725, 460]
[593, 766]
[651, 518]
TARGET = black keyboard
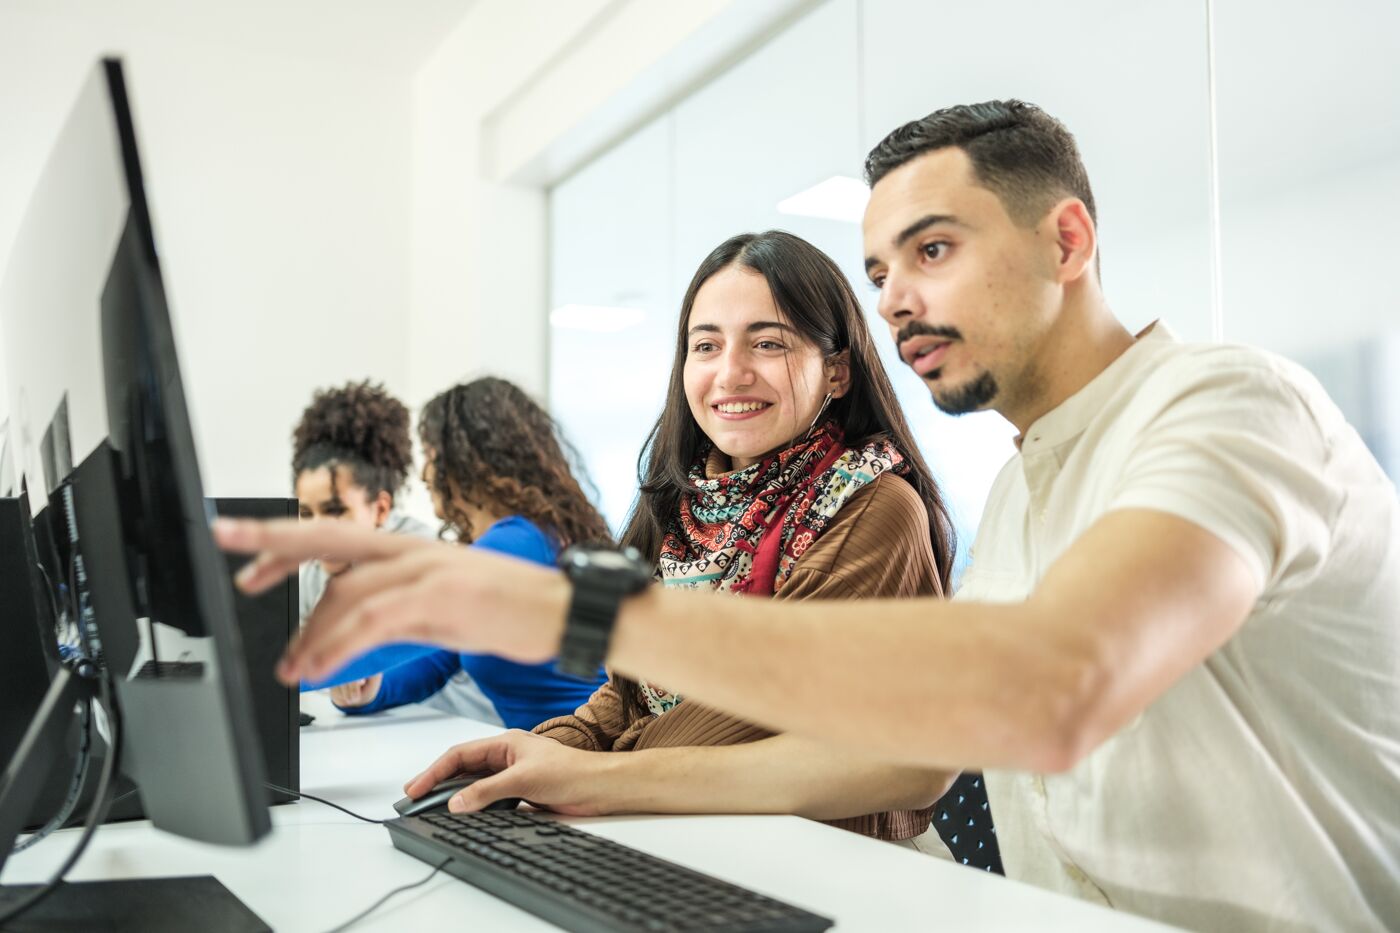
[582, 882]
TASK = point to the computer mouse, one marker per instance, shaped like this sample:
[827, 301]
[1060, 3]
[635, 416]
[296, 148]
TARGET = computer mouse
[436, 799]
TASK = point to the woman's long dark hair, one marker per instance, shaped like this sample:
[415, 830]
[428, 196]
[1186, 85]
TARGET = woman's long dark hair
[490, 443]
[816, 299]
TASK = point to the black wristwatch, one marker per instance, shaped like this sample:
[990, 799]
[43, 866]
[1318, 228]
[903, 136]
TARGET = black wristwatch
[602, 578]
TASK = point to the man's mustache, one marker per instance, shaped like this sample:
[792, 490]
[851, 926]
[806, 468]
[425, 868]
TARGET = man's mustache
[920, 329]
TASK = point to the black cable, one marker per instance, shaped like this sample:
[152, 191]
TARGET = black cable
[96, 815]
[379, 903]
[75, 784]
[60, 615]
[299, 795]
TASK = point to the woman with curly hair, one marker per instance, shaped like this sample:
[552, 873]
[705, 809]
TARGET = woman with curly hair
[500, 477]
[351, 453]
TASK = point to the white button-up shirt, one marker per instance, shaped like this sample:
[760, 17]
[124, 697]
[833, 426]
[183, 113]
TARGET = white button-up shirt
[1262, 790]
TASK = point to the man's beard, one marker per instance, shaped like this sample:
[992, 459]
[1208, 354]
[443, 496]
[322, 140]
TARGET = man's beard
[969, 397]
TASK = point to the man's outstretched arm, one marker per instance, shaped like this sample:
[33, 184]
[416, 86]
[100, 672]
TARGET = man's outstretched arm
[1138, 600]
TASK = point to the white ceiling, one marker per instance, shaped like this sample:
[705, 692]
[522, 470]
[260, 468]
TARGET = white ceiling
[375, 33]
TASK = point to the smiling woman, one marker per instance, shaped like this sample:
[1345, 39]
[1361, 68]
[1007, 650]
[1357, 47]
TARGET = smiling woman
[780, 466]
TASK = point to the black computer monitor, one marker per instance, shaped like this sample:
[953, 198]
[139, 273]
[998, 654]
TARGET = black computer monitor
[7, 467]
[89, 349]
[30, 650]
[31, 632]
[31, 656]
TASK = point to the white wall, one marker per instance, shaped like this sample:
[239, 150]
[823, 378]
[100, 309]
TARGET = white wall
[338, 184]
[478, 244]
[508, 101]
[518, 93]
[280, 186]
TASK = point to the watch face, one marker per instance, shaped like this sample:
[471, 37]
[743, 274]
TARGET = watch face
[610, 560]
[627, 563]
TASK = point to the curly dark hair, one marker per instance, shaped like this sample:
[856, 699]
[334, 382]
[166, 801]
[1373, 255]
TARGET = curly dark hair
[489, 442]
[360, 426]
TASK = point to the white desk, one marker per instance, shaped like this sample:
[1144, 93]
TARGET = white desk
[319, 867]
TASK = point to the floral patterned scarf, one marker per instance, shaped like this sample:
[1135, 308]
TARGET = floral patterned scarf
[744, 531]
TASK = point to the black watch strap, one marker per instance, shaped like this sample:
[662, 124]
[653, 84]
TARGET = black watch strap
[588, 631]
[600, 586]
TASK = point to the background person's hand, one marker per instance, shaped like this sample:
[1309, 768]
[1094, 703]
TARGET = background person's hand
[537, 769]
[401, 589]
[357, 692]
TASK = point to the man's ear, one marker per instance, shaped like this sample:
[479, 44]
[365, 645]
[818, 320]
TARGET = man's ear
[838, 374]
[1076, 238]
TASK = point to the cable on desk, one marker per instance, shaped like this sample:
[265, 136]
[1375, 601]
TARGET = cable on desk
[379, 903]
[287, 790]
[97, 813]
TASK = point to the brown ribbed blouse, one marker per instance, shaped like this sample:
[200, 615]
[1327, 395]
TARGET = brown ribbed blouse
[877, 546]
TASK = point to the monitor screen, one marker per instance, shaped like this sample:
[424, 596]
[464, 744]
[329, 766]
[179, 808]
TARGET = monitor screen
[99, 432]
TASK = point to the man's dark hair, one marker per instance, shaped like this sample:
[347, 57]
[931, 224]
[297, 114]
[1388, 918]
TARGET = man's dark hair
[1018, 152]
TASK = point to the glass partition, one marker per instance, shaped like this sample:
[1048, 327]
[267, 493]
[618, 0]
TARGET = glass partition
[1308, 103]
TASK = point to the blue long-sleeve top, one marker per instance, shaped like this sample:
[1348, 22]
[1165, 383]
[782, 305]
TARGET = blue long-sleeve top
[524, 695]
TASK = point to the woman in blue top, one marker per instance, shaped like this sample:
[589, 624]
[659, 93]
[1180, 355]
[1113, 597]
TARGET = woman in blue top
[500, 479]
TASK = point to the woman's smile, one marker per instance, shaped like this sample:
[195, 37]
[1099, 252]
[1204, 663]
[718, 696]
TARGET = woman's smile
[740, 409]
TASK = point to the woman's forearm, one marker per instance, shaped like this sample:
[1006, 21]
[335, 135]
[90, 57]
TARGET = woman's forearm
[372, 662]
[781, 774]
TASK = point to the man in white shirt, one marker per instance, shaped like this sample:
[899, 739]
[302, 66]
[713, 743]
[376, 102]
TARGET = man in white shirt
[1177, 650]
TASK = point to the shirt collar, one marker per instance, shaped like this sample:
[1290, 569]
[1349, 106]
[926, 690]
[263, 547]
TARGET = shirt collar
[1068, 420]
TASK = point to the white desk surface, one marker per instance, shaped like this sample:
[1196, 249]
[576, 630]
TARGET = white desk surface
[320, 867]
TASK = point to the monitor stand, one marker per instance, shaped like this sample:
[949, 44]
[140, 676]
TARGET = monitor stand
[136, 905]
[142, 904]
